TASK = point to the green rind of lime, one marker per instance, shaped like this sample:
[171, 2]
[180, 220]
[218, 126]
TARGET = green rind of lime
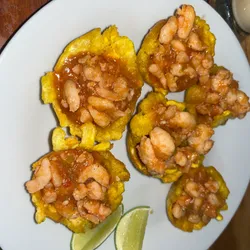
[131, 228]
[96, 236]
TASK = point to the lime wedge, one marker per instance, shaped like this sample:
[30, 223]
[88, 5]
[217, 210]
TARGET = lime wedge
[95, 237]
[131, 228]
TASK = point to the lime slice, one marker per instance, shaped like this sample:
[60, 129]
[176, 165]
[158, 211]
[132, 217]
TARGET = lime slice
[95, 237]
[130, 230]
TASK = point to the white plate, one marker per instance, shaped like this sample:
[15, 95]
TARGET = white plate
[26, 123]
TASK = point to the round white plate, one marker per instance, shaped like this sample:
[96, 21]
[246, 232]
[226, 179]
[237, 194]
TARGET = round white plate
[26, 123]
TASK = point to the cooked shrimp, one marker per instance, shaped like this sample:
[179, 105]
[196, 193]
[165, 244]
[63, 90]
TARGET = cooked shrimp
[80, 207]
[56, 178]
[120, 86]
[200, 139]
[77, 69]
[207, 62]
[190, 72]
[72, 95]
[155, 70]
[100, 104]
[49, 194]
[168, 31]
[178, 211]
[185, 17]
[86, 158]
[195, 43]
[231, 97]
[182, 57]
[194, 218]
[147, 156]
[108, 94]
[183, 120]
[212, 186]
[221, 81]
[85, 116]
[92, 74]
[180, 158]
[178, 45]
[212, 98]
[92, 206]
[192, 188]
[95, 191]
[104, 212]
[42, 177]
[92, 218]
[162, 142]
[100, 118]
[176, 69]
[171, 82]
[97, 172]
[80, 192]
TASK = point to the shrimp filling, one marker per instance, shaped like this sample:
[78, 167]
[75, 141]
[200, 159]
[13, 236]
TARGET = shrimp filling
[75, 182]
[218, 93]
[97, 89]
[200, 200]
[175, 142]
[182, 56]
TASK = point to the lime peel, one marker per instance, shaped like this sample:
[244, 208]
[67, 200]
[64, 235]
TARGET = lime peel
[96, 236]
[131, 228]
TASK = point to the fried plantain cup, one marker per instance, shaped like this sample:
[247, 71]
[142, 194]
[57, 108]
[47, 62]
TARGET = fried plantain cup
[196, 198]
[164, 140]
[217, 98]
[96, 79]
[75, 186]
[171, 61]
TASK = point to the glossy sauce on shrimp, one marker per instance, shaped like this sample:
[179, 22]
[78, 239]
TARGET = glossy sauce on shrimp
[182, 55]
[95, 88]
[75, 182]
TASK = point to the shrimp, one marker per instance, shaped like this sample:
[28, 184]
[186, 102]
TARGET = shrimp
[104, 212]
[190, 72]
[148, 157]
[108, 94]
[182, 120]
[195, 43]
[49, 194]
[95, 191]
[178, 211]
[221, 81]
[100, 104]
[182, 57]
[100, 118]
[168, 31]
[212, 98]
[185, 17]
[155, 70]
[180, 159]
[92, 74]
[176, 69]
[200, 138]
[56, 178]
[77, 69]
[85, 116]
[42, 177]
[171, 82]
[178, 45]
[162, 142]
[72, 95]
[91, 206]
[86, 158]
[97, 172]
[120, 86]
[92, 218]
[80, 192]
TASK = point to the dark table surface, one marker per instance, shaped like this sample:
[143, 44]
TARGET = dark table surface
[236, 236]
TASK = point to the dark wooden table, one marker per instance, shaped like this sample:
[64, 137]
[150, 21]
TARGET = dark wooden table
[236, 236]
